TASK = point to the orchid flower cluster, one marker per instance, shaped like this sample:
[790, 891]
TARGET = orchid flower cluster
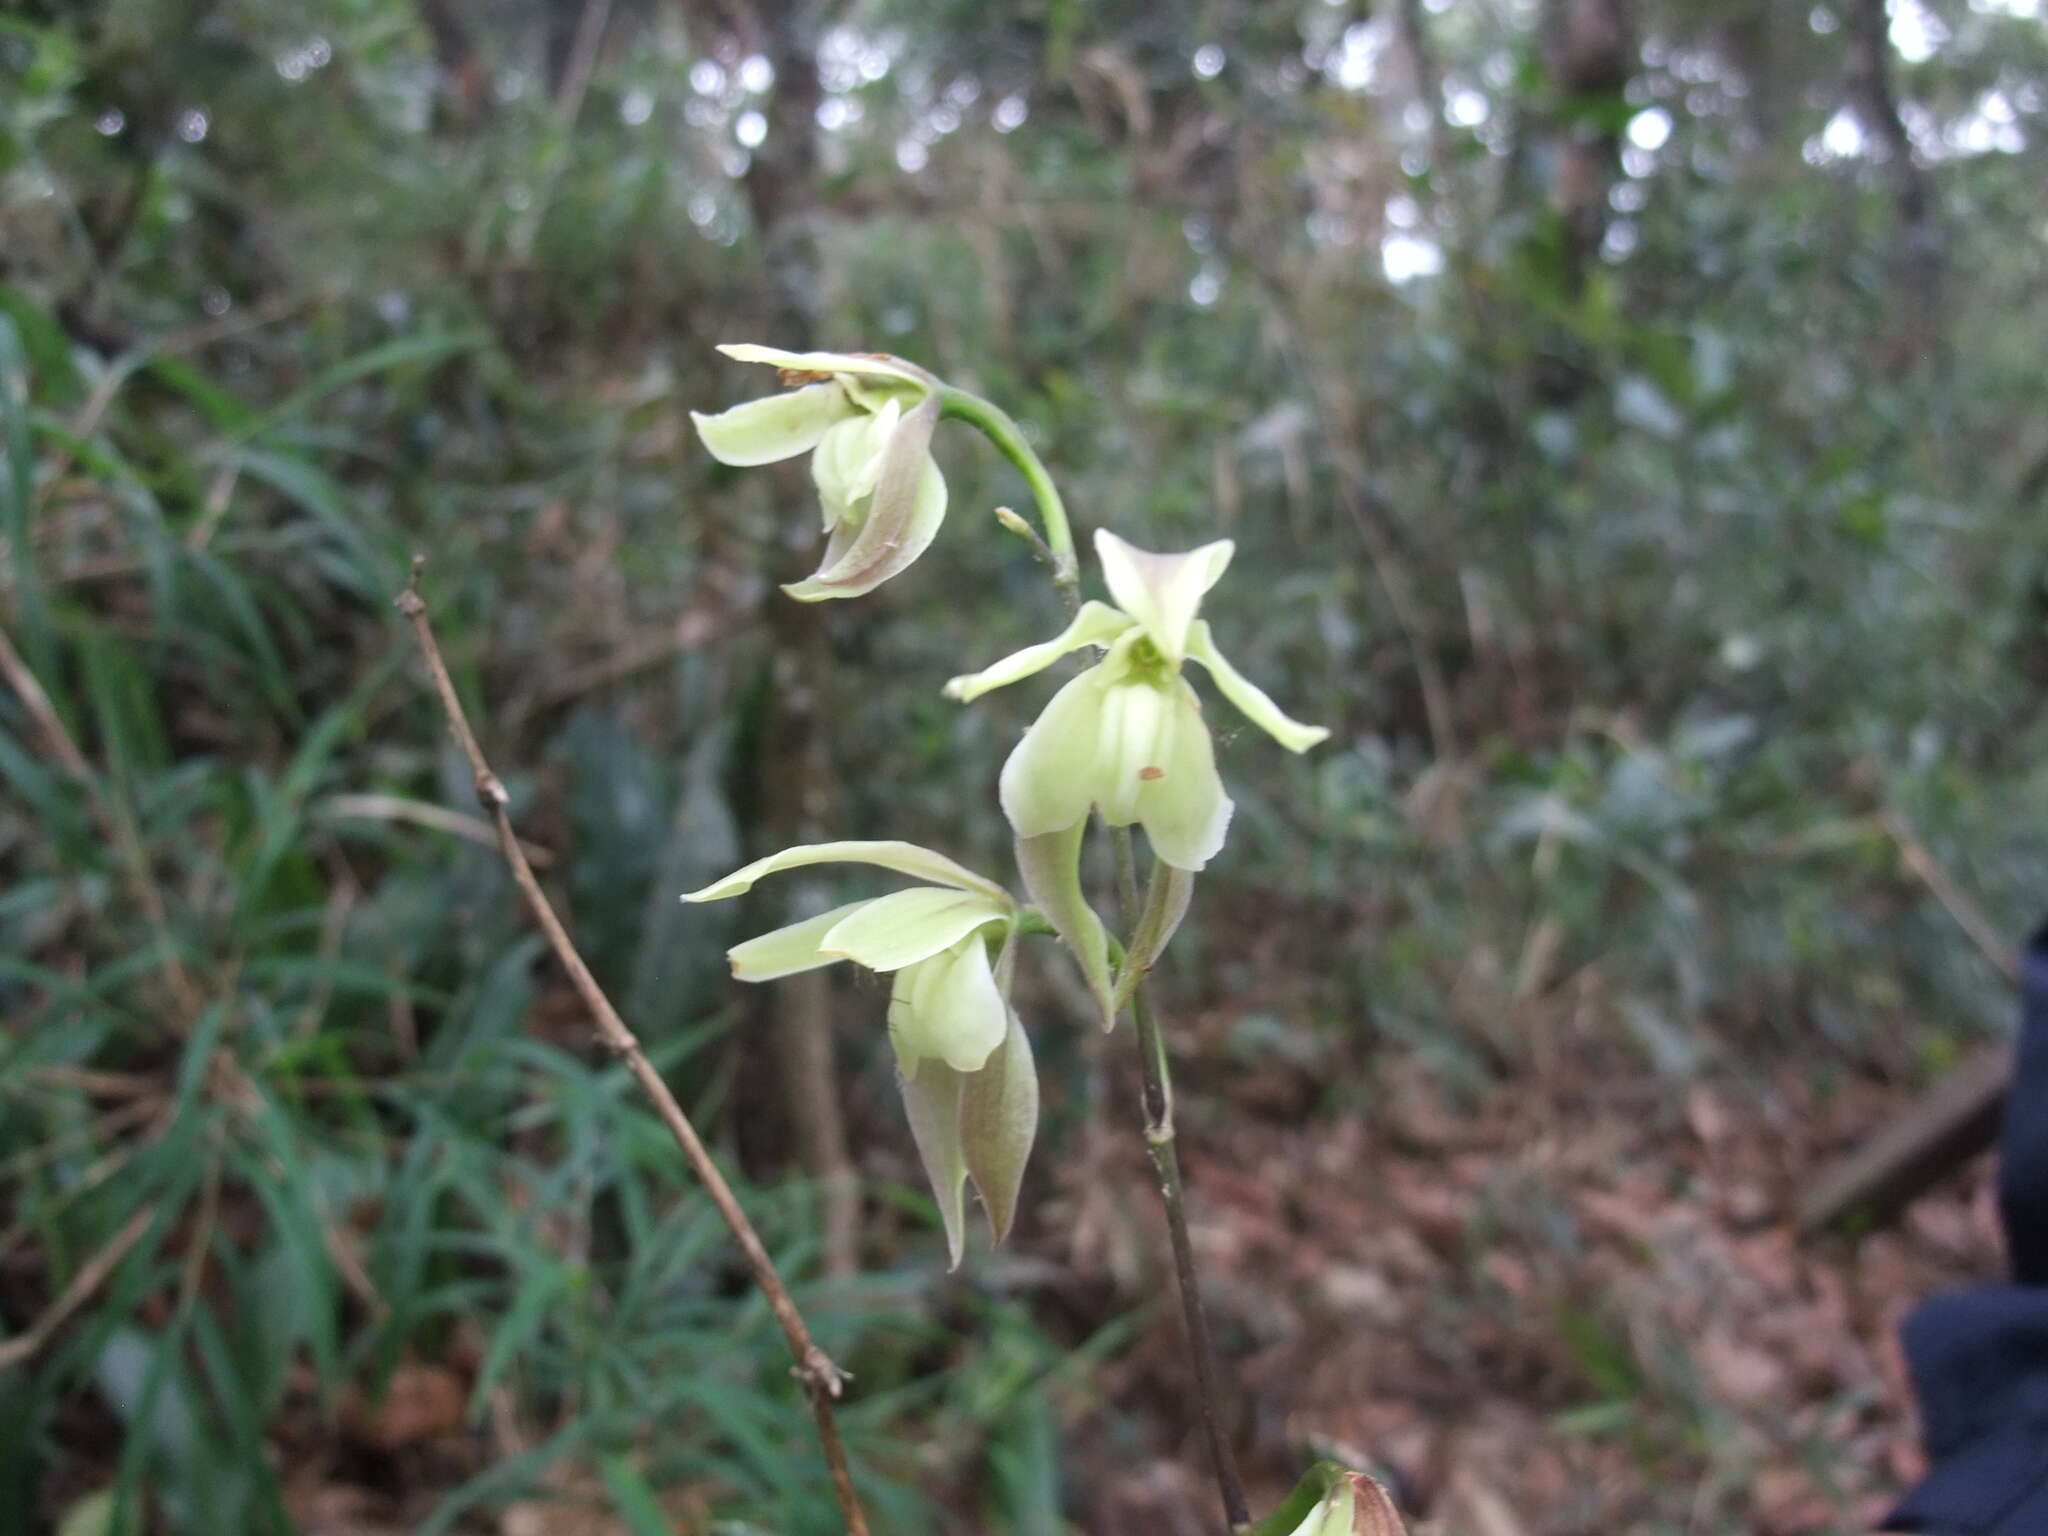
[1124, 740]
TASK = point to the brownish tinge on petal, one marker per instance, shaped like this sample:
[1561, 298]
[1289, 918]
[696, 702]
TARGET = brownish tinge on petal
[791, 377]
[902, 519]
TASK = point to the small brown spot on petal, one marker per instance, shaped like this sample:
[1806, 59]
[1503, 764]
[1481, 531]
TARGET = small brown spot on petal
[791, 377]
[1148, 774]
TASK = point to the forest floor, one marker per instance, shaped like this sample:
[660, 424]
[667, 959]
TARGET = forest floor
[1572, 1304]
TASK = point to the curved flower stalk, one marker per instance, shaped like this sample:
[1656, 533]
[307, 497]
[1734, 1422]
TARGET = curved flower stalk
[1127, 736]
[867, 423]
[962, 1059]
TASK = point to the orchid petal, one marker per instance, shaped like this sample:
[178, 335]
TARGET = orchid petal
[841, 451]
[1162, 592]
[893, 931]
[904, 858]
[1095, 624]
[998, 1123]
[948, 1008]
[858, 364]
[903, 518]
[1051, 867]
[774, 428]
[1251, 700]
[931, 1099]
[789, 950]
[1133, 737]
[1049, 779]
[849, 462]
[1184, 810]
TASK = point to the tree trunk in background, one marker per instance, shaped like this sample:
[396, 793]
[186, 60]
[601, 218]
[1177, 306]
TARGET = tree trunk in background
[465, 95]
[1750, 37]
[794, 765]
[1427, 79]
[1917, 255]
[1589, 52]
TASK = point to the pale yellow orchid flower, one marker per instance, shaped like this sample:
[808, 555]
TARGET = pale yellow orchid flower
[1127, 736]
[867, 423]
[962, 1059]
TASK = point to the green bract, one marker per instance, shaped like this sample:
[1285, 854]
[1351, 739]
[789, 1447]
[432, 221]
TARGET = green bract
[962, 1060]
[1127, 736]
[867, 423]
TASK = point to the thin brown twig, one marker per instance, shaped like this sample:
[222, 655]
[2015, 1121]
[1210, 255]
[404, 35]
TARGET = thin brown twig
[220, 493]
[1335, 415]
[341, 905]
[119, 828]
[621, 662]
[189, 339]
[90, 1277]
[423, 813]
[114, 1121]
[1954, 900]
[576, 71]
[821, 1379]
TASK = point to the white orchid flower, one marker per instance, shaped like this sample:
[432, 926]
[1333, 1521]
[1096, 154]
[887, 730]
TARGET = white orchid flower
[867, 423]
[1127, 736]
[963, 1062]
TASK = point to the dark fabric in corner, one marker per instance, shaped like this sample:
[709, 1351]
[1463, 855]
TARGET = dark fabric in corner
[1980, 1357]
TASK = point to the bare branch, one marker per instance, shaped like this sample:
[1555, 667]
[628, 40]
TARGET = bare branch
[90, 1277]
[113, 819]
[1955, 901]
[821, 1379]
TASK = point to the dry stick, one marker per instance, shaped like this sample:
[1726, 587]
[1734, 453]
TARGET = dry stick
[119, 828]
[1954, 899]
[575, 82]
[814, 1368]
[1954, 1120]
[1334, 418]
[90, 1277]
[438, 818]
[1160, 1146]
[124, 368]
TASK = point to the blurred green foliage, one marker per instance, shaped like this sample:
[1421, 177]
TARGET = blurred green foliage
[1653, 585]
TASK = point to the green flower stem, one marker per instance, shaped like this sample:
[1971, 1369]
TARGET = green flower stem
[1160, 1146]
[996, 424]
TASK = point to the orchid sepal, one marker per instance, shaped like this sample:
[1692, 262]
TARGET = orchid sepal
[1250, 700]
[903, 858]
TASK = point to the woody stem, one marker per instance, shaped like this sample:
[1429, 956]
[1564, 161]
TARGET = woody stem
[1160, 1146]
